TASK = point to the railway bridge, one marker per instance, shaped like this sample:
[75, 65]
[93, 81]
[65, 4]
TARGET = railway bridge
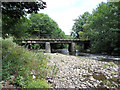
[48, 42]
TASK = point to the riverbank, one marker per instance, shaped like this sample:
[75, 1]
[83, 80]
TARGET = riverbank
[80, 72]
[102, 57]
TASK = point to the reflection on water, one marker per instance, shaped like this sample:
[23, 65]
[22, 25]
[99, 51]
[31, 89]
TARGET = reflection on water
[89, 55]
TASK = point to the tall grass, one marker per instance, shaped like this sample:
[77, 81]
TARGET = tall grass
[21, 63]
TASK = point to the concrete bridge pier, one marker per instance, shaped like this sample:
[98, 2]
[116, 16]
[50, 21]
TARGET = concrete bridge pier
[47, 47]
[71, 47]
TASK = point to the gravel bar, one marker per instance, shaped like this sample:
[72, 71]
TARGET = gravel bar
[80, 72]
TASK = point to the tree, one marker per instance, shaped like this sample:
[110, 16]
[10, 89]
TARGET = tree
[77, 28]
[99, 28]
[41, 25]
[12, 12]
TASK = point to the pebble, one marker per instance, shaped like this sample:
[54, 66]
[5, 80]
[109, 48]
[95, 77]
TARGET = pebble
[78, 72]
[50, 81]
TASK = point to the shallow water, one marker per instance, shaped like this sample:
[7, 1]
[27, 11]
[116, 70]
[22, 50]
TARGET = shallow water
[89, 55]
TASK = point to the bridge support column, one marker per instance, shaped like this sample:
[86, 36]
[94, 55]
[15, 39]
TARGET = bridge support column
[47, 47]
[71, 47]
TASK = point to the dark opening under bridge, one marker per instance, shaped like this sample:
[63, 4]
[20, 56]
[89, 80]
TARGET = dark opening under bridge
[48, 43]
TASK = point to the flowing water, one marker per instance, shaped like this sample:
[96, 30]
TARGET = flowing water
[91, 56]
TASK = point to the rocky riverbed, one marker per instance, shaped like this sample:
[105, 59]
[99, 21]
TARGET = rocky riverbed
[79, 72]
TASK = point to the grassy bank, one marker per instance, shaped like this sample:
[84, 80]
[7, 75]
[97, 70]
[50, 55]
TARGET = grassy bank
[23, 68]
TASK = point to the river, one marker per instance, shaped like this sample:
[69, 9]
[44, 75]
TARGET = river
[89, 55]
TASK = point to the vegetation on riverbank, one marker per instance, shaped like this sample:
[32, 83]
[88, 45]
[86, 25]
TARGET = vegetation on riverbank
[27, 69]
[19, 63]
[100, 27]
[21, 67]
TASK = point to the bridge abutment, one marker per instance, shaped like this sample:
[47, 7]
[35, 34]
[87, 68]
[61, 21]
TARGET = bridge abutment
[47, 47]
[71, 47]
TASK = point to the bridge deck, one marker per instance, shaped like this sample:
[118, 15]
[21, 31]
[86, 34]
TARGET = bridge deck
[37, 39]
[43, 40]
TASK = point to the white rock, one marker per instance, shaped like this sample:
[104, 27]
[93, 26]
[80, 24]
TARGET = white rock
[34, 77]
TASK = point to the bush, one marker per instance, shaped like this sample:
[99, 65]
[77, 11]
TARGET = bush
[38, 83]
[0, 86]
[80, 47]
[19, 62]
[36, 46]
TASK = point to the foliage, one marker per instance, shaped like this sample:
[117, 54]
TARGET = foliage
[19, 62]
[38, 83]
[103, 39]
[0, 86]
[53, 69]
[101, 28]
[77, 29]
[12, 12]
[69, 37]
[19, 29]
[80, 47]
[36, 46]
[41, 25]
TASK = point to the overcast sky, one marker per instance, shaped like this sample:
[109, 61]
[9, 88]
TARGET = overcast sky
[65, 11]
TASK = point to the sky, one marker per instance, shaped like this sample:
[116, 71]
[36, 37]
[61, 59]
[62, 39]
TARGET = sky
[63, 12]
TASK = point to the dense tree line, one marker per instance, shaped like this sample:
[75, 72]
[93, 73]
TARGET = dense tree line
[102, 28]
[15, 21]
[13, 14]
[42, 26]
